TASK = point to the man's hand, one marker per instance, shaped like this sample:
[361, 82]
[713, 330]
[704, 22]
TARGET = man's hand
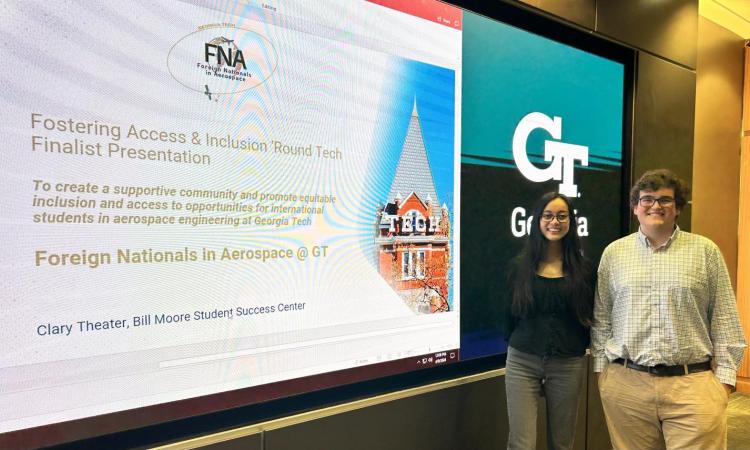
[728, 388]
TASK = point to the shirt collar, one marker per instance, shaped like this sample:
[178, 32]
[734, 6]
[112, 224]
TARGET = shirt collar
[644, 240]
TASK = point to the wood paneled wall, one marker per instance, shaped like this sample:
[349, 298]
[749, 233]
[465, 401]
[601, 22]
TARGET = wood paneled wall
[718, 129]
[743, 244]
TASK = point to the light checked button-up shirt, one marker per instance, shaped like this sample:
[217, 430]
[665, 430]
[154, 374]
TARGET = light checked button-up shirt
[668, 305]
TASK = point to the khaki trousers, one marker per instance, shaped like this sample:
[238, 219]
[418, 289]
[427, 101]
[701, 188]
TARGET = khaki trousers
[680, 412]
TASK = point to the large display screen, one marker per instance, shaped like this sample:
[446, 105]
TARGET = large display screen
[537, 116]
[208, 205]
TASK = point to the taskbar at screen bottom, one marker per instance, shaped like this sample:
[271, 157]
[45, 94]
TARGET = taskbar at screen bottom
[77, 431]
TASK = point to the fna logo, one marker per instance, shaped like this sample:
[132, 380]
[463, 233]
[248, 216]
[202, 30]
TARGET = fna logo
[214, 51]
[222, 59]
[562, 157]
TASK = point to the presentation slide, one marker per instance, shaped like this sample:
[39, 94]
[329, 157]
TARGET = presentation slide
[202, 196]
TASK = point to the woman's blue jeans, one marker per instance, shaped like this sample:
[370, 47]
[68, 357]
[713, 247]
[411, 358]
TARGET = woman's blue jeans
[530, 379]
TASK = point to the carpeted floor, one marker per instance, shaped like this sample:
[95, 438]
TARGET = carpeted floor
[738, 422]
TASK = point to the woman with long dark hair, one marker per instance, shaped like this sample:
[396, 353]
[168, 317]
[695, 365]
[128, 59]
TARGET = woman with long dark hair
[548, 317]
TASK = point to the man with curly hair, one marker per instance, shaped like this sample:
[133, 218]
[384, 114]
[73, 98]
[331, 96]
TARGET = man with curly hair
[666, 338]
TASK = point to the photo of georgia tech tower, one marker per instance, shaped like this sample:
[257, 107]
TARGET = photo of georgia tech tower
[413, 232]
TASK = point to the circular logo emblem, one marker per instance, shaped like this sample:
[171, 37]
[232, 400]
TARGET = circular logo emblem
[222, 60]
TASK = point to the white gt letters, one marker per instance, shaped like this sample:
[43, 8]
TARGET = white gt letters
[562, 156]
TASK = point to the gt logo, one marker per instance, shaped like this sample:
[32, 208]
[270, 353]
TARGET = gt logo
[561, 155]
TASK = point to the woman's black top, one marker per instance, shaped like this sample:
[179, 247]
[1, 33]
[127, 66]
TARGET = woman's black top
[551, 327]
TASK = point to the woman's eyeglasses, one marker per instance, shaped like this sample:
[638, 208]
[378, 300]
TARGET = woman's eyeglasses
[561, 217]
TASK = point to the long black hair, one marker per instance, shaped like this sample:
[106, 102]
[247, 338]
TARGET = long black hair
[577, 268]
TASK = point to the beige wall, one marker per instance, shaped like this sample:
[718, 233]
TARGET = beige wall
[743, 246]
[719, 164]
[718, 126]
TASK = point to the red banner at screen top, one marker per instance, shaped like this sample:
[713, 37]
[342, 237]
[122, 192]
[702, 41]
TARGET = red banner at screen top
[432, 10]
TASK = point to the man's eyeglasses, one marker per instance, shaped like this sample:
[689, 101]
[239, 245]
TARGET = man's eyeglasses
[561, 217]
[649, 200]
